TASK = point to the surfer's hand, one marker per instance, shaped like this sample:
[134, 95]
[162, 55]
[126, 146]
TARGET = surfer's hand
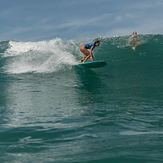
[91, 58]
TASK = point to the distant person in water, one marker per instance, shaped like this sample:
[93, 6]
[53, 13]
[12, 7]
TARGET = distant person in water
[134, 40]
[87, 50]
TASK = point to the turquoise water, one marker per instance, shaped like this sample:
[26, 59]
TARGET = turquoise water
[54, 111]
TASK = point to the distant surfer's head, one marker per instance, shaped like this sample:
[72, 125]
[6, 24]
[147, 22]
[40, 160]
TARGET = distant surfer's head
[134, 33]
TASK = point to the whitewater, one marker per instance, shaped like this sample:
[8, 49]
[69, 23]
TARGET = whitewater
[42, 56]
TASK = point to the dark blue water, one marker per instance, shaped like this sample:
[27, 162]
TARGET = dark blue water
[53, 111]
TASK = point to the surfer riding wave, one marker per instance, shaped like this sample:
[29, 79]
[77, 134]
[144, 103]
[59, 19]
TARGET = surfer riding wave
[87, 50]
[134, 40]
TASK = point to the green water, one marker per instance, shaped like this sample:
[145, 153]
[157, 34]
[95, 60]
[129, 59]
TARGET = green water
[71, 114]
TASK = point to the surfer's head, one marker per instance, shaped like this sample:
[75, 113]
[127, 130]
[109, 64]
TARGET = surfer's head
[134, 33]
[97, 42]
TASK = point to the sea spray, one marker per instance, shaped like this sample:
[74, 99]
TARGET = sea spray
[42, 56]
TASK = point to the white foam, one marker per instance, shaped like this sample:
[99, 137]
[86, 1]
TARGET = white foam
[42, 56]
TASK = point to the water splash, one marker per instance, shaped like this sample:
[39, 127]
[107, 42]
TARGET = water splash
[42, 56]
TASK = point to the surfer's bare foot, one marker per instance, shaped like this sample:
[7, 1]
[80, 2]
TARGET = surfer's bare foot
[81, 60]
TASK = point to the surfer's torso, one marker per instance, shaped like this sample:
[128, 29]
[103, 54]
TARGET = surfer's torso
[89, 45]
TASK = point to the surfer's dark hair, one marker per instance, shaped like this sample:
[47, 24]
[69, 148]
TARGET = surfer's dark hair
[97, 42]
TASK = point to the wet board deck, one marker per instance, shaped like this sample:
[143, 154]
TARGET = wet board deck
[93, 64]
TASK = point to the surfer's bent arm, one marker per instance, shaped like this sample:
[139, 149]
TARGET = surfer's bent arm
[91, 53]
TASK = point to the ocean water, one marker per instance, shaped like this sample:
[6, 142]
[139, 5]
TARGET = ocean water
[52, 111]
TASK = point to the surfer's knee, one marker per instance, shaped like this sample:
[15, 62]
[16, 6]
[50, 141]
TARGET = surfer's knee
[82, 47]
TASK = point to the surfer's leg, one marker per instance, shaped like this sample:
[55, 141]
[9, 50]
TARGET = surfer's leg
[134, 43]
[86, 58]
[85, 52]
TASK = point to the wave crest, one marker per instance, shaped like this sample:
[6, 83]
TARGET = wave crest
[42, 56]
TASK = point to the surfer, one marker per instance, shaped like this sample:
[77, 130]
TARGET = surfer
[134, 40]
[87, 50]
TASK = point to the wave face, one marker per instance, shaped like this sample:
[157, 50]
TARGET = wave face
[56, 55]
[142, 66]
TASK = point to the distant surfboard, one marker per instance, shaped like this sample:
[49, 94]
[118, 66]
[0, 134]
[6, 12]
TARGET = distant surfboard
[93, 64]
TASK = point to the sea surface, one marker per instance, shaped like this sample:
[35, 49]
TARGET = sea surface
[54, 111]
